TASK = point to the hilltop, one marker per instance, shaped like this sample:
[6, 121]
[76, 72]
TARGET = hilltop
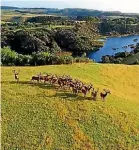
[69, 11]
[36, 116]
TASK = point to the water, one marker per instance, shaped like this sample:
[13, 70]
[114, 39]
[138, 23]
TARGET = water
[113, 42]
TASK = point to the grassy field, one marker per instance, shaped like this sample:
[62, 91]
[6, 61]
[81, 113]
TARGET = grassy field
[12, 16]
[37, 117]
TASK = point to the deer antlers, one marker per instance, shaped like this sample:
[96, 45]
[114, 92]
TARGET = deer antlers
[14, 71]
[107, 91]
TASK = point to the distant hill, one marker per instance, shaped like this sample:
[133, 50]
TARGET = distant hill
[86, 12]
[70, 11]
[8, 7]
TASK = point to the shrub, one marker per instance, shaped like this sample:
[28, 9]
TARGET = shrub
[27, 59]
[41, 58]
[19, 60]
[23, 60]
[8, 56]
[105, 59]
[82, 59]
[118, 60]
[136, 62]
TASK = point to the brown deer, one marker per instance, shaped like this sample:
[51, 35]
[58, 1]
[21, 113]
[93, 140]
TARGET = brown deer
[103, 95]
[86, 89]
[34, 78]
[60, 83]
[75, 90]
[94, 93]
[16, 75]
[37, 78]
[41, 77]
[47, 78]
[54, 79]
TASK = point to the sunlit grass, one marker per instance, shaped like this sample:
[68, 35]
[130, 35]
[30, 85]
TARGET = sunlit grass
[35, 116]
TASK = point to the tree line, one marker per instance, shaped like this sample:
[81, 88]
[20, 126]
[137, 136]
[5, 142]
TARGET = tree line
[119, 26]
[11, 58]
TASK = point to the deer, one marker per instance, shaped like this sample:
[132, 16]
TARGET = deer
[75, 89]
[38, 78]
[47, 78]
[35, 78]
[16, 75]
[94, 93]
[41, 77]
[103, 95]
[60, 83]
[54, 79]
[86, 89]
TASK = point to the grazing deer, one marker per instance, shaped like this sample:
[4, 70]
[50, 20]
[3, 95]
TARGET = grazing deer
[16, 75]
[34, 78]
[94, 93]
[103, 95]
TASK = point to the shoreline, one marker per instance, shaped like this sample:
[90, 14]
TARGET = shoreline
[104, 37]
[124, 35]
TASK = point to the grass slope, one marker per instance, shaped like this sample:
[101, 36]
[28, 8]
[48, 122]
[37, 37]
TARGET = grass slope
[36, 116]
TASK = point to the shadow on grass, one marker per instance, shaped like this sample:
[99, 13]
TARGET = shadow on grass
[71, 97]
[64, 94]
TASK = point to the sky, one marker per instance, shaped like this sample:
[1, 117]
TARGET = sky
[106, 5]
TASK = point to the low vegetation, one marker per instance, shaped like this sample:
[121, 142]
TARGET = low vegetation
[12, 58]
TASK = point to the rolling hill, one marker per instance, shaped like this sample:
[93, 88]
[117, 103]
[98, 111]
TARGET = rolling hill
[37, 116]
[9, 7]
[69, 11]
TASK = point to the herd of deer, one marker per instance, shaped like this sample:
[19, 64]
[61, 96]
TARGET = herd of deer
[66, 82]
[75, 85]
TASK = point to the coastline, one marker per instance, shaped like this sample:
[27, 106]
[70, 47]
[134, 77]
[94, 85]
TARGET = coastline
[123, 35]
[104, 37]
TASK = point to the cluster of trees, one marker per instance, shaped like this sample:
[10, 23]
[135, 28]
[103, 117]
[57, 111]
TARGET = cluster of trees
[119, 26]
[11, 58]
[88, 18]
[77, 40]
[51, 20]
[44, 19]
